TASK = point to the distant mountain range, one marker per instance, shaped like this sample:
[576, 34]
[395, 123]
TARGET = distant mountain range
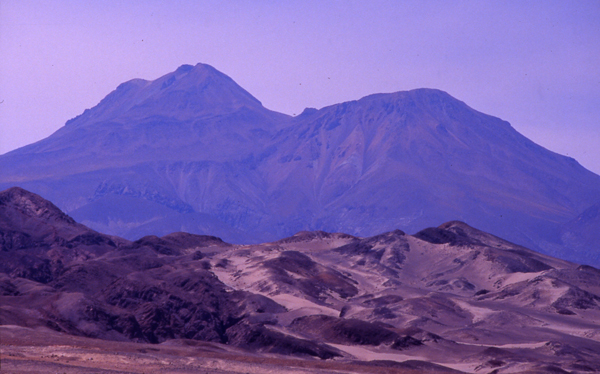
[448, 299]
[193, 151]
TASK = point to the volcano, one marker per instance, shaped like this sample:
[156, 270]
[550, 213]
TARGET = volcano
[193, 151]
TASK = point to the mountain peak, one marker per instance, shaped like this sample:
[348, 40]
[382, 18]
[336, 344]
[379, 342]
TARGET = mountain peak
[203, 84]
[188, 92]
[185, 68]
[31, 205]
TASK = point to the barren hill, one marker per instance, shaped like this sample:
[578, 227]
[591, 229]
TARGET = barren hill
[447, 298]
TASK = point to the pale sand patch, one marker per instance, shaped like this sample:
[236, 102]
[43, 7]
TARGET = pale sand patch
[479, 314]
[365, 354]
[292, 302]
[513, 345]
[520, 277]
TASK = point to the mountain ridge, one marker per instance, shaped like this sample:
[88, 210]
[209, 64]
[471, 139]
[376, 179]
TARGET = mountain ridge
[186, 78]
[189, 156]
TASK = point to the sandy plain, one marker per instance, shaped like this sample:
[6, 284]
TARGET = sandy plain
[25, 350]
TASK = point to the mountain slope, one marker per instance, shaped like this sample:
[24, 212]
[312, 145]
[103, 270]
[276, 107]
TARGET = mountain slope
[168, 152]
[194, 113]
[582, 234]
[415, 158]
[193, 151]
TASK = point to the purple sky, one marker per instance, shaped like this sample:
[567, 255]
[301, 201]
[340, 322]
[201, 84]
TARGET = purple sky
[535, 64]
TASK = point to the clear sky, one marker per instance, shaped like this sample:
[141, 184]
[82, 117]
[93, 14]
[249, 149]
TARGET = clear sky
[535, 64]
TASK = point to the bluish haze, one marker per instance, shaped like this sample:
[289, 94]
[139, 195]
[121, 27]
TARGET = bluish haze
[534, 64]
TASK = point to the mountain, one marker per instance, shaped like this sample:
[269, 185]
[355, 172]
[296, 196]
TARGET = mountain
[192, 151]
[447, 299]
[582, 234]
[126, 165]
[414, 159]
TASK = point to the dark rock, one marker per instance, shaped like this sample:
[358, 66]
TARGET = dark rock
[315, 279]
[412, 365]
[436, 235]
[344, 331]
[7, 288]
[262, 339]
[405, 342]
[383, 312]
